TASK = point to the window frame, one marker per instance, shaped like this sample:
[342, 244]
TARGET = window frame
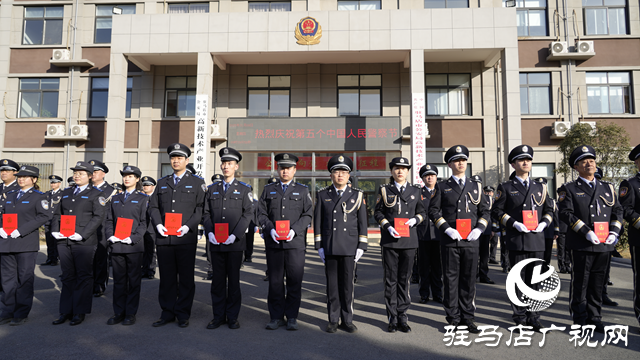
[528, 86]
[628, 85]
[189, 4]
[585, 8]
[359, 87]
[92, 94]
[269, 88]
[270, 5]
[41, 102]
[446, 6]
[448, 87]
[359, 5]
[44, 19]
[521, 6]
[177, 90]
[98, 17]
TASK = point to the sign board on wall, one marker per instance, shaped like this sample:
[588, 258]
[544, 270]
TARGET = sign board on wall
[201, 136]
[418, 129]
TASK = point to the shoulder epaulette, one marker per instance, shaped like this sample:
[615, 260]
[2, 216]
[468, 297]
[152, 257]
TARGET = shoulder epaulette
[142, 193]
[418, 186]
[323, 189]
[97, 189]
[269, 184]
[245, 184]
[38, 192]
[166, 176]
[301, 184]
[356, 189]
[198, 176]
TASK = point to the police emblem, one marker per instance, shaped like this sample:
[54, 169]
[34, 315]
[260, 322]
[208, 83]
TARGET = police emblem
[145, 178]
[401, 160]
[225, 151]
[45, 204]
[525, 148]
[498, 194]
[176, 146]
[92, 162]
[584, 149]
[78, 164]
[128, 168]
[285, 156]
[102, 201]
[23, 168]
[428, 167]
[308, 31]
[561, 196]
[458, 149]
[250, 196]
[378, 199]
[5, 162]
[623, 191]
[203, 187]
[341, 159]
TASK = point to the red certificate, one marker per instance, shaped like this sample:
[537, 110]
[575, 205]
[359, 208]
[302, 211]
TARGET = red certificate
[464, 227]
[401, 228]
[530, 219]
[172, 222]
[67, 225]
[222, 232]
[123, 228]
[9, 223]
[602, 230]
[282, 229]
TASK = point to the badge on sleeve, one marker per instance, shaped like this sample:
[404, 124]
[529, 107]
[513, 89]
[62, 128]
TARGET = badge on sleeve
[204, 187]
[309, 196]
[623, 191]
[498, 194]
[561, 196]
[45, 204]
[378, 199]
[250, 196]
[102, 201]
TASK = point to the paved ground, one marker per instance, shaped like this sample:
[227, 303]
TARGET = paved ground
[38, 339]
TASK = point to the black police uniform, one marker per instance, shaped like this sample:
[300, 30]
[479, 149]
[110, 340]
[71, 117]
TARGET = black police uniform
[563, 254]
[551, 232]
[52, 249]
[18, 255]
[429, 260]
[101, 258]
[176, 255]
[215, 178]
[285, 257]
[5, 190]
[251, 232]
[149, 258]
[580, 206]
[459, 258]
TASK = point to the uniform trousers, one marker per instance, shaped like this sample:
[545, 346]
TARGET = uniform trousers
[548, 249]
[17, 282]
[149, 258]
[281, 262]
[493, 246]
[520, 313]
[587, 280]
[226, 297]
[100, 268]
[563, 254]
[52, 246]
[339, 271]
[248, 253]
[76, 263]
[459, 267]
[177, 285]
[127, 277]
[397, 264]
[430, 269]
[504, 253]
[483, 256]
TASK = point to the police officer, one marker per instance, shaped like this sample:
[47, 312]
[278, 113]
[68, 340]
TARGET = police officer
[149, 259]
[483, 256]
[100, 261]
[607, 281]
[340, 236]
[588, 205]
[127, 252]
[227, 202]
[285, 200]
[53, 196]
[563, 254]
[494, 232]
[398, 199]
[457, 205]
[77, 251]
[630, 200]
[214, 179]
[70, 182]
[178, 193]
[429, 261]
[8, 169]
[19, 247]
[520, 204]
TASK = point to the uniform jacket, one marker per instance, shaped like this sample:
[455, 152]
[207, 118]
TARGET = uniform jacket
[89, 209]
[54, 200]
[390, 204]
[134, 208]
[426, 230]
[6, 190]
[295, 205]
[630, 201]
[33, 211]
[554, 228]
[340, 222]
[580, 206]
[108, 192]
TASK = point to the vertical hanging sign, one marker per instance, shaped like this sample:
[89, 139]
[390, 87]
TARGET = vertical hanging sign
[417, 135]
[200, 135]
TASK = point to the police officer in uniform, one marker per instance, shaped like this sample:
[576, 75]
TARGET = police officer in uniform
[285, 200]
[483, 257]
[8, 169]
[53, 196]
[227, 202]
[214, 179]
[607, 281]
[563, 254]
[494, 232]
[398, 199]
[149, 260]
[516, 200]
[340, 236]
[459, 198]
[178, 193]
[588, 205]
[429, 261]
[630, 201]
[70, 182]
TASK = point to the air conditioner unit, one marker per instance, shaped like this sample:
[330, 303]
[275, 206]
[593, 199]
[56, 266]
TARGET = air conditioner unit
[592, 124]
[61, 54]
[215, 130]
[55, 131]
[584, 47]
[79, 131]
[558, 47]
[560, 129]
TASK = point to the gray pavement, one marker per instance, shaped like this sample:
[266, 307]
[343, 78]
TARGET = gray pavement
[93, 339]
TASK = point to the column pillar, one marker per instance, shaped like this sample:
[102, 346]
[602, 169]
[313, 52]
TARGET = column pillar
[512, 128]
[201, 159]
[114, 154]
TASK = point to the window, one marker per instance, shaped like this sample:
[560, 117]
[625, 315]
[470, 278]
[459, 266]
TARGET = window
[39, 97]
[441, 4]
[359, 95]
[531, 17]
[545, 171]
[609, 93]
[535, 93]
[188, 8]
[265, 6]
[269, 95]
[359, 5]
[100, 97]
[103, 21]
[43, 25]
[165, 169]
[448, 94]
[180, 96]
[605, 17]
[127, 113]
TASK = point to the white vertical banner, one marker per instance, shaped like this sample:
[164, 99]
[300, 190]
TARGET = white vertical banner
[417, 135]
[201, 136]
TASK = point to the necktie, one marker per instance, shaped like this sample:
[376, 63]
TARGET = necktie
[526, 184]
[20, 193]
[76, 191]
[340, 192]
[176, 180]
[461, 183]
[126, 195]
[591, 184]
[225, 187]
[284, 188]
[401, 189]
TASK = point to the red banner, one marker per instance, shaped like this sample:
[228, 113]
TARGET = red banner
[304, 163]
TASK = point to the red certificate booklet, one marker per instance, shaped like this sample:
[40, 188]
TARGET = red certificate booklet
[464, 227]
[282, 229]
[9, 223]
[123, 228]
[67, 225]
[172, 222]
[530, 219]
[602, 230]
[401, 228]
[222, 232]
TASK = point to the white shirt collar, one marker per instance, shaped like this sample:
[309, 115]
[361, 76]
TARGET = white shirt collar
[286, 183]
[25, 191]
[82, 188]
[13, 182]
[398, 186]
[343, 190]
[594, 181]
[522, 180]
[228, 183]
[457, 179]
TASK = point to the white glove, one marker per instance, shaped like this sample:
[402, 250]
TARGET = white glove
[393, 232]
[161, 230]
[274, 236]
[321, 254]
[75, 237]
[412, 222]
[3, 234]
[520, 227]
[212, 239]
[453, 233]
[56, 235]
[291, 235]
[359, 253]
[474, 235]
[541, 227]
[15, 234]
[230, 240]
[612, 239]
[591, 236]
[114, 239]
[127, 241]
[183, 231]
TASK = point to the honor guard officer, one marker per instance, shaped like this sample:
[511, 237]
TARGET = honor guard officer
[53, 196]
[178, 193]
[340, 227]
[8, 169]
[457, 206]
[228, 210]
[400, 200]
[594, 216]
[483, 257]
[149, 261]
[289, 201]
[630, 201]
[523, 207]
[429, 261]
[100, 261]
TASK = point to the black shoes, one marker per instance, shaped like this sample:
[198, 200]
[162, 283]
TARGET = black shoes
[115, 319]
[607, 301]
[129, 320]
[438, 300]
[215, 323]
[392, 328]
[275, 323]
[473, 328]
[77, 319]
[404, 327]
[535, 324]
[599, 325]
[248, 259]
[5, 320]
[234, 324]
[183, 323]
[424, 299]
[17, 321]
[415, 280]
[349, 327]
[162, 322]
[62, 319]
[292, 324]
[332, 327]
[208, 277]
[98, 293]
[48, 262]
[487, 281]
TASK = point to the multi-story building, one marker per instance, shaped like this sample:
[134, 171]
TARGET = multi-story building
[120, 81]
